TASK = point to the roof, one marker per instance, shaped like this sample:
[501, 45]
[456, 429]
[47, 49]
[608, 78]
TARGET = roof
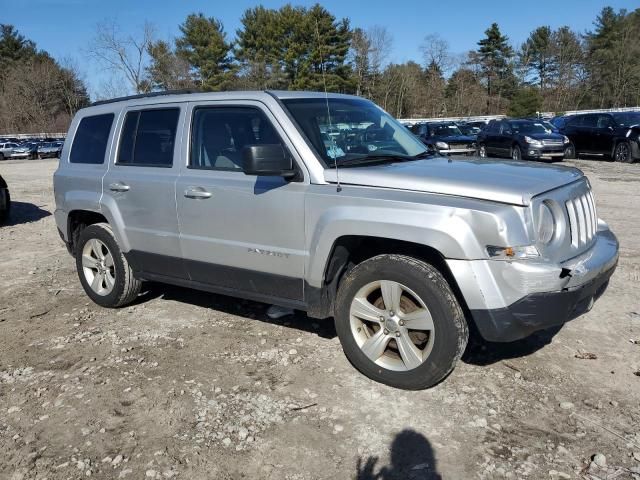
[201, 95]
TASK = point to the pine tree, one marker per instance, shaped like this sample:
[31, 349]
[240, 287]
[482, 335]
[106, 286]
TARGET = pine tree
[203, 44]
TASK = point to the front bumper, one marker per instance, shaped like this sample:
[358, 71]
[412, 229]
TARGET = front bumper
[19, 155]
[510, 300]
[544, 153]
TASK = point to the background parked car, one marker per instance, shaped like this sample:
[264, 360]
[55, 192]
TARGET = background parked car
[6, 149]
[521, 139]
[50, 150]
[5, 200]
[468, 129]
[609, 135]
[559, 121]
[444, 137]
[19, 151]
[32, 146]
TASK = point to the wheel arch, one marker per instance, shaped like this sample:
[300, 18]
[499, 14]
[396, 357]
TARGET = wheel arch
[78, 220]
[350, 250]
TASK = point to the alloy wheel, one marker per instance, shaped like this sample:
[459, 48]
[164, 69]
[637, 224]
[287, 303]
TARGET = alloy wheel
[392, 325]
[622, 153]
[97, 267]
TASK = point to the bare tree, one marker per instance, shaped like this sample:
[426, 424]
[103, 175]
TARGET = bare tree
[436, 52]
[123, 54]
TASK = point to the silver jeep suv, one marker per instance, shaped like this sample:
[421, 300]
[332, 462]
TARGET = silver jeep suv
[325, 203]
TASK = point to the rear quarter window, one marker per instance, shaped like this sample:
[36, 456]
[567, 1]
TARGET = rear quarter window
[90, 142]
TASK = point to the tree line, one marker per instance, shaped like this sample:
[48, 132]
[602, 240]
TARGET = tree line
[37, 93]
[308, 48]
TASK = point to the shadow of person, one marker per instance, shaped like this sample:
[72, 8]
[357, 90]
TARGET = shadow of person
[480, 352]
[411, 458]
[23, 212]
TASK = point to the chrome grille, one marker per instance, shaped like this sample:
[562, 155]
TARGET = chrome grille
[460, 145]
[583, 221]
[552, 142]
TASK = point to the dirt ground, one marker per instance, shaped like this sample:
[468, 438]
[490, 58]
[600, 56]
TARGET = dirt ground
[198, 386]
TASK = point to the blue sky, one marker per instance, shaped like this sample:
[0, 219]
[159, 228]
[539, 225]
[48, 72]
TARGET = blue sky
[65, 27]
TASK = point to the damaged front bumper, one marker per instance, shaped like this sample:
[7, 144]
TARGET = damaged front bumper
[511, 300]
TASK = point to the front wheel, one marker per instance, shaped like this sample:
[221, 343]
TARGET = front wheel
[399, 323]
[622, 153]
[482, 151]
[570, 152]
[104, 272]
[516, 154]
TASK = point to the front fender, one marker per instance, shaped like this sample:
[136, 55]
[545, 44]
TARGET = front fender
[458, 228]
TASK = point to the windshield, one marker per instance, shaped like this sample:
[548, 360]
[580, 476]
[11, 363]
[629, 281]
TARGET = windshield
[528, 127]
[627, 119]
[352, 130]
[444, 129]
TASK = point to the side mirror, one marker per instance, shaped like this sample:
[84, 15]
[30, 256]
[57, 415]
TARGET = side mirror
[267, 160]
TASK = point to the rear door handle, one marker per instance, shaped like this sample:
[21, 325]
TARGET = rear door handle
[197, 192]
[119, 187]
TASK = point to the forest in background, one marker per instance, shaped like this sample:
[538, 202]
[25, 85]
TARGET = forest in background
[308, 48]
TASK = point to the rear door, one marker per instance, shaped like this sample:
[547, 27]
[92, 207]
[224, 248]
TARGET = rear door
[240, 233]
[603, 137]
[491, 135]
[586, 132]
[139, 188]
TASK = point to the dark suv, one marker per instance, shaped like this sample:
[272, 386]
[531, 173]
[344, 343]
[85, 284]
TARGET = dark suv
[521, 139]
[609, 135]
[445, 137]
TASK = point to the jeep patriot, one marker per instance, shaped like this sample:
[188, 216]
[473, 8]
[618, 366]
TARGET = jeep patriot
[325, 203]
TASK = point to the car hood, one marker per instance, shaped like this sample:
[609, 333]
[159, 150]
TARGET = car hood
[544, 136]
[506, 181]
[454, 139]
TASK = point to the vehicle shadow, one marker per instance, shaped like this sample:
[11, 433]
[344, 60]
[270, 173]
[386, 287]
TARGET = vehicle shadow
[24, 212]
[411, 457]
[237, 306]
[480, 352]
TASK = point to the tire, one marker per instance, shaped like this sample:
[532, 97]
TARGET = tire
[117, 287]
[1, 156]
[482, 151]
[516, 154]
[438, 343]
[570, 152]
[622, 153]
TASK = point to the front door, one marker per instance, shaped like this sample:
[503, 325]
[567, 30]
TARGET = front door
[240, 233]
[139, 187]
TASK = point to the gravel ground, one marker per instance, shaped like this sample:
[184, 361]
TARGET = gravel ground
[194, 385]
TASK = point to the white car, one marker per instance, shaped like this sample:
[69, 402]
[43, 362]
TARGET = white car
[6, 150]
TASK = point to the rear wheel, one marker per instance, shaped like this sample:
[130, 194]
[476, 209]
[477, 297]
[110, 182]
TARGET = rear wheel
[622, 153]
[516, 154]
[104, 272]
[399, 323]
[482, 151]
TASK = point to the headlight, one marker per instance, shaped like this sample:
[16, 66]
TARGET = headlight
[546, 224]
[566, 139]
[533, 141]
[442, 145]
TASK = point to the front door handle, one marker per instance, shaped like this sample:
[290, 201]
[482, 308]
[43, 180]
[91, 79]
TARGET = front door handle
[119, 187]
[198, 193]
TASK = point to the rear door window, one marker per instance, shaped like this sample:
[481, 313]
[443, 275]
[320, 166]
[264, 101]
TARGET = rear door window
[148, 138]
[90, 142]
[589, 121]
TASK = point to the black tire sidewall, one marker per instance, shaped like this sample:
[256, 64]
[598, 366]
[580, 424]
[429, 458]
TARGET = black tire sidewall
[447, 342]
[104, 234]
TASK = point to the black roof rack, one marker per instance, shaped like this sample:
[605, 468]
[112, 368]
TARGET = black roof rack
[147, 95]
